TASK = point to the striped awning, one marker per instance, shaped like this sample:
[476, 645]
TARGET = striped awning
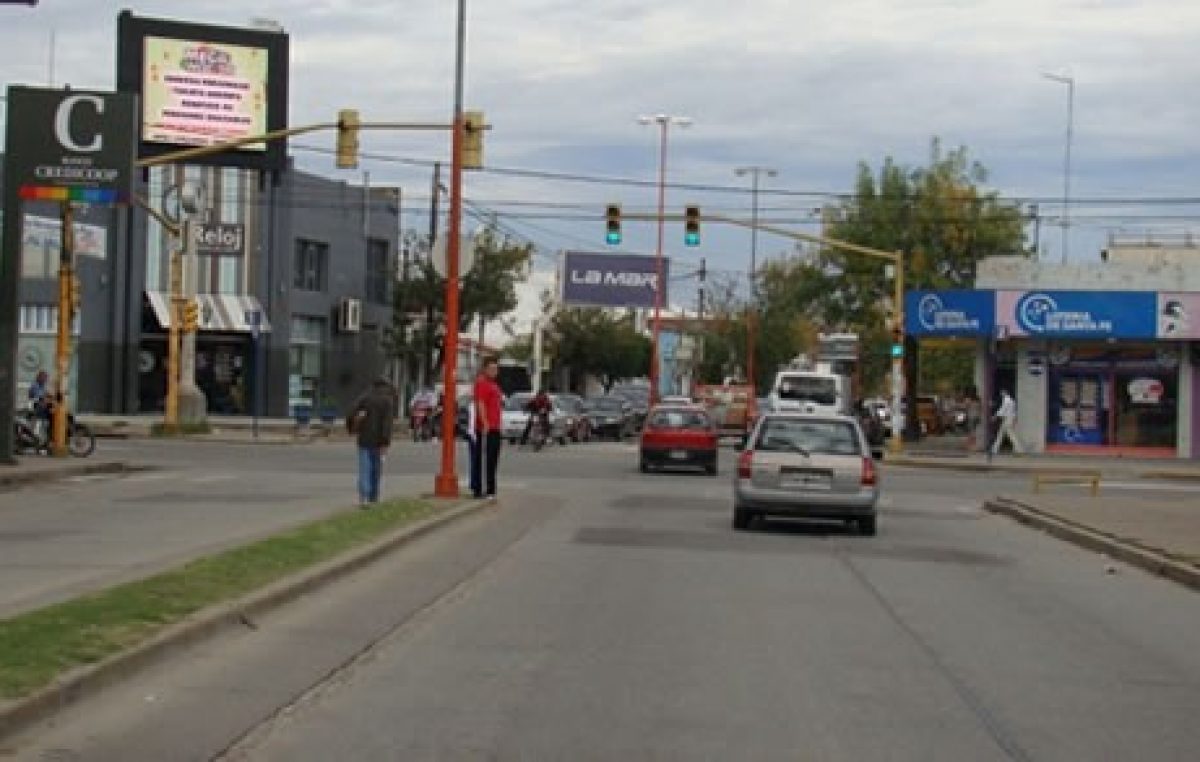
[228, 313]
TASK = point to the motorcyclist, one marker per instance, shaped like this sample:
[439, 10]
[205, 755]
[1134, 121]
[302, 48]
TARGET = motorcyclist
[41, 403]
[539, 410]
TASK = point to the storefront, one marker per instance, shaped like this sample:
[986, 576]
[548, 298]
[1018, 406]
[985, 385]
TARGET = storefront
[1093, 372]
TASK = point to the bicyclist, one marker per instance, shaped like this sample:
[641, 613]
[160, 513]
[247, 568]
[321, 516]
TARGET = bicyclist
[539, 410]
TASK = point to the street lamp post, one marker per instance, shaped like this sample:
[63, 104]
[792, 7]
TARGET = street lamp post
[664, 121]
[446, 481]
[1069, 81]
[755, 173]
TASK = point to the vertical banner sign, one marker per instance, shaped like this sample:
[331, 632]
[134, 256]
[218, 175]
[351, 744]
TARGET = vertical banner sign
[592, 279]
[60, 146]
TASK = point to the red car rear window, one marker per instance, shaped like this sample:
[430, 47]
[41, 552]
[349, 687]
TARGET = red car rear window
[679, 419]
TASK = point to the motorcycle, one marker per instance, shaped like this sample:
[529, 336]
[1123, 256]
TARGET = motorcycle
[421, 424]
[81, 442]
[538, 435]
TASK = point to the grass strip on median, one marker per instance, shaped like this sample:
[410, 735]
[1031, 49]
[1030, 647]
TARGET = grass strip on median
[37, 646]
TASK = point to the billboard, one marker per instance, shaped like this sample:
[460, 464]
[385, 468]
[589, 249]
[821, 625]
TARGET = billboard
[202, 85]
[949, 313]
[592, 279]
[199, 93]
[1078, 314]
[1178, 315]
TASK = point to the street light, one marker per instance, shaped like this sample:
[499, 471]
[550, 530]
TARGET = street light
[664, 122]
[755, 173]
[1069, 81]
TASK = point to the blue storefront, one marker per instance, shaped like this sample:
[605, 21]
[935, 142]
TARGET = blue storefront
[1092, 371]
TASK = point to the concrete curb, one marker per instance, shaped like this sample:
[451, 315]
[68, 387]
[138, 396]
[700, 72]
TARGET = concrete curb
[1179, 476]
[21, 479]
[1148, 559]
[1031, 469]
[950, 465]
[85, 682]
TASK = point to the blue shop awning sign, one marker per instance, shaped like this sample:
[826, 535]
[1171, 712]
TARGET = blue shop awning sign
[1079, 314]
[950, 313]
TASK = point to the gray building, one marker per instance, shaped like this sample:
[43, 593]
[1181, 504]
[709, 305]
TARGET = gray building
[317, 260]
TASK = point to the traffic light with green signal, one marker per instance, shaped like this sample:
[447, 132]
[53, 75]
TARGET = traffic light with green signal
[691, 226]
[897, 341]
[612, 225]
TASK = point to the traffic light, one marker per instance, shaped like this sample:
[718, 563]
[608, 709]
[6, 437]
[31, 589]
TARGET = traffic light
[897, 341]
[472, 147]
[347, 138]
[691, 226]
[191, 316]
[612, 225]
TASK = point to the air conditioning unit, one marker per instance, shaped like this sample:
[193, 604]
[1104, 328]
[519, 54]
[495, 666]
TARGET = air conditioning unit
[350, 315]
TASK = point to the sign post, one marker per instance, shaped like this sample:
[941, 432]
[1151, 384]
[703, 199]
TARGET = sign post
[61, 146]
[254, 319]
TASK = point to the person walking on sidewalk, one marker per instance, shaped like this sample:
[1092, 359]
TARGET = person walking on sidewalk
[485, 444]
[371, 419]
[1006, 416]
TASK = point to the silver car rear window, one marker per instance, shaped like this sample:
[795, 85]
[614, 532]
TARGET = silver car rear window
[792, 435]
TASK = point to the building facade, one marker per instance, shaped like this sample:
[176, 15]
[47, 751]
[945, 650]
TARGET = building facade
[315, 269]
[1102, 359]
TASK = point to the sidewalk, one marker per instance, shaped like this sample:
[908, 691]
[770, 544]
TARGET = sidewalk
[233, 429]
[1161, 535]
[1108, 467]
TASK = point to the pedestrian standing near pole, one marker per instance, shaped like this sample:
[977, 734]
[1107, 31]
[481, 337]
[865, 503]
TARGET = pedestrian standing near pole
[1006, 415]
[371, 419]
[485, 446]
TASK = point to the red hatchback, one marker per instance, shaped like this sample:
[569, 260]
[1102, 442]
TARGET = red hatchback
[679, 436]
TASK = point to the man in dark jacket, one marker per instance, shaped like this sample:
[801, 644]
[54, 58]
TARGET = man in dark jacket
[371, 420]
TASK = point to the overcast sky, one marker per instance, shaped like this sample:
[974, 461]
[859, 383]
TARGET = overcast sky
[807, 88]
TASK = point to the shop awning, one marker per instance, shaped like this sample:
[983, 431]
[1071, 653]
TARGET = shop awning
[228, 313]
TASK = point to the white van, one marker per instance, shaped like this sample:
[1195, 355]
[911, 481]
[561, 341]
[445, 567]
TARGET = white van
[810, 391]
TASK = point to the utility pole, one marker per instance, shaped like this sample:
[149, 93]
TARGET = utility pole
[755, 173]
[700, 296]
[427, 369]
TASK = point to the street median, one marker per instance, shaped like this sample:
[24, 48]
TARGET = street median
[60, 654]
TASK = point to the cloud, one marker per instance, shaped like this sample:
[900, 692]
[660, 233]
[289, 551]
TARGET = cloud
[810, 88]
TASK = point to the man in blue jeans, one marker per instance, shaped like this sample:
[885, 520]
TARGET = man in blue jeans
[372, 418]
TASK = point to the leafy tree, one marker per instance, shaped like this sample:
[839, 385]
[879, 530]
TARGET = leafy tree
[939, 216]
[487, 291]
[596, 342]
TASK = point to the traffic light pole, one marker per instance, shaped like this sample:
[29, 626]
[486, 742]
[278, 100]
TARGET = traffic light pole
[62, 346]
[896, 258]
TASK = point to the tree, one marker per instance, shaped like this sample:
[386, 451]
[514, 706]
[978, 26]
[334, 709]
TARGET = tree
[487, 291]
[596, 342]
[938, 216]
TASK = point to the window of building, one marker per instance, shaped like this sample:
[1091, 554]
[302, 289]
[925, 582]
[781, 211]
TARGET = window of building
[311, 265]
[378, 271]
[35, 319]
[304, 360]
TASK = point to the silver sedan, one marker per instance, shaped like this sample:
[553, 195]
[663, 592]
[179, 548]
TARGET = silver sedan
[808, 466]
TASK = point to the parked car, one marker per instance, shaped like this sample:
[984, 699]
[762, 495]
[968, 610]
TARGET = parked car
[638, 398]
[576, 422]
[678, 436]
[808, 466]
[609, 417]
[514, 417]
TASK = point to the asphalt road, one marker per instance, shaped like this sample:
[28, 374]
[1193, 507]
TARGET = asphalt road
[598, 613]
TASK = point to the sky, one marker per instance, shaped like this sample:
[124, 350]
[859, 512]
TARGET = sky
[809, 89]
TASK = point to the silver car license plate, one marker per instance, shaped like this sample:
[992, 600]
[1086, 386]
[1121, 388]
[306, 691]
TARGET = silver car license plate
[806, 481]
[679, 454]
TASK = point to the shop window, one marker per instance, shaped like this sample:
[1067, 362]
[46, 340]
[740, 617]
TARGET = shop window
[304, 360]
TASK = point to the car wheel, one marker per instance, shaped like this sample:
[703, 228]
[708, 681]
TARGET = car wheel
[742, 519]
[644, 467]
[866, 527]
[711, 469]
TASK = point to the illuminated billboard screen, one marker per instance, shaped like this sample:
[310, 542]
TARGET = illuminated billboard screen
[201, 93]
[201, 85]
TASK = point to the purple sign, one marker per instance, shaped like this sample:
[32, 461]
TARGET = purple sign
[612, 280]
